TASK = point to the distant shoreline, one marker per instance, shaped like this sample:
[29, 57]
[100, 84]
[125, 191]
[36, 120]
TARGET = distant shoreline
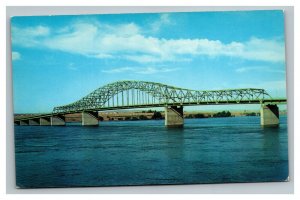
[155, 115]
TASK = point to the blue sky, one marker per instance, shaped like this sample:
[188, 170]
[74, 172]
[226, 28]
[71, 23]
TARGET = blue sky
[59, 59]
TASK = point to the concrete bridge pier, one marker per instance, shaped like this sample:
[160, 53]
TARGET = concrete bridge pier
[45, 121]
[174, 116]
[89, 118]
[269, 115]
[24, 123]
[57, 120]
[34, 122]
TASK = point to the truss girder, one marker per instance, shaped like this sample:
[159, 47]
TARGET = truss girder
[131, 93]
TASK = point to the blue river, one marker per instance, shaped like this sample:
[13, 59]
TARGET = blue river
[210, 150]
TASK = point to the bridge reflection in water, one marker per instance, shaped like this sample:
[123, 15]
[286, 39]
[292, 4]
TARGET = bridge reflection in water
[141, 94]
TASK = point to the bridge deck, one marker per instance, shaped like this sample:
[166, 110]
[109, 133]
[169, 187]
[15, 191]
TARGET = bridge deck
[274, 101]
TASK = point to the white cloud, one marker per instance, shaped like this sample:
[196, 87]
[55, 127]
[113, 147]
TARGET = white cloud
[153, 70]
[103, 55]
[30, 36]
[258, 69]
[265, 50]
[126, 41]
[163, 20]
[141, 70]
[119, 70]
[126, 29]
[142, 58]
[15, 55]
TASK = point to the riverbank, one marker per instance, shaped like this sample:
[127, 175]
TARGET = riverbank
[153, 114]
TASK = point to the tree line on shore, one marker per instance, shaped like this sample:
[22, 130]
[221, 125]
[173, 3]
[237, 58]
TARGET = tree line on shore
[157, 116]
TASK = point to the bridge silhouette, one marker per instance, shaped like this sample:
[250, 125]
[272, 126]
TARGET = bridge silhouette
[142, 94]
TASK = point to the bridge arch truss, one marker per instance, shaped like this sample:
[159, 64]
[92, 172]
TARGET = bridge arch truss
[135, 94]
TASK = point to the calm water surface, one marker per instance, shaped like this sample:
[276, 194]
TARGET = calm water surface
[213, 150]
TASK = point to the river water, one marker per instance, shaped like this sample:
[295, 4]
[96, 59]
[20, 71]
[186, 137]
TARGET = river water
[212, 150]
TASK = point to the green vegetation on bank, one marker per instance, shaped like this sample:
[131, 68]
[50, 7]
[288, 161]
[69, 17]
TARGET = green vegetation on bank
[157, 115]
[198, 115]
[201, 115]
[222, 114]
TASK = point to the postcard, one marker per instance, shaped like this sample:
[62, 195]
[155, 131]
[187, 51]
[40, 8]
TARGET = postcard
[149, 99]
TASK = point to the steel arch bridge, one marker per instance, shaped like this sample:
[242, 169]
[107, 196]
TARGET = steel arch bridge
[142, 94]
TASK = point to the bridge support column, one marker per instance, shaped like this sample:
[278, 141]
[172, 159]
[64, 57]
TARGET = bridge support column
[58, 120]
[269, 115]
[34, 122]
[45, 121]
[174, 116]
[89, 118]
[24, 122]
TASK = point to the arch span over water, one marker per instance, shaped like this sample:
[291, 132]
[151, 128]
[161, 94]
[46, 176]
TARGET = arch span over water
[142, 94]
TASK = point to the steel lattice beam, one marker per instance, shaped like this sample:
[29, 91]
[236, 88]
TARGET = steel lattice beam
[137, 94]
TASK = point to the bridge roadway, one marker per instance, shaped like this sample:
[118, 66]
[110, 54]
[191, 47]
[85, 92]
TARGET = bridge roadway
[139, 94]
